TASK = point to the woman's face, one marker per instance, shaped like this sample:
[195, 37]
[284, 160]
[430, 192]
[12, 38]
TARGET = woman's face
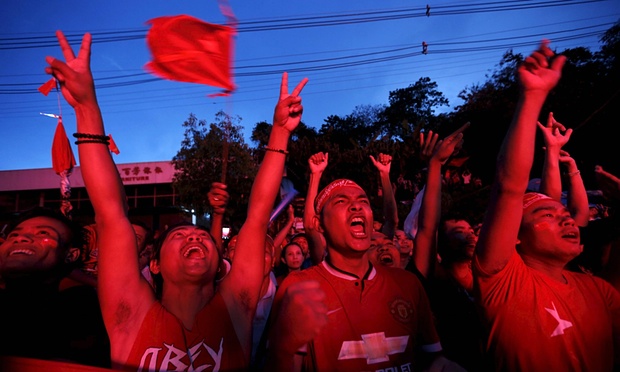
[293, 257]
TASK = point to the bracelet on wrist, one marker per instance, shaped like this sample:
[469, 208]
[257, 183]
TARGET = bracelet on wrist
[276, 150]
[571, 174]
[91, 136]
[93, 140]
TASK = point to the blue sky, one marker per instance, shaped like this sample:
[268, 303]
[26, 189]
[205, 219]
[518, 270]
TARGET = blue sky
[369, 49]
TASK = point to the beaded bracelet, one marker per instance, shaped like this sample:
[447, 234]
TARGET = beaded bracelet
[571, 174]
[91, 136]
[94, 140]
[276, 150]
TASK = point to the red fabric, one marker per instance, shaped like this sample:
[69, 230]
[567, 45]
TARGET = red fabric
[62, 154]
[48, 86]
[112, 146]
[457, 162]
[187, 49]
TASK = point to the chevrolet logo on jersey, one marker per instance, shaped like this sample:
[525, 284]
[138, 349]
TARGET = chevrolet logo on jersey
[374, 347]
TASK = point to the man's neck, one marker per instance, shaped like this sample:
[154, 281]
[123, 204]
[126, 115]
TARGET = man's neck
[355, 264]
[186, 302]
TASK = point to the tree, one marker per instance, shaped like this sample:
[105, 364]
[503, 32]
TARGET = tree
[199, 163]
[410, 106]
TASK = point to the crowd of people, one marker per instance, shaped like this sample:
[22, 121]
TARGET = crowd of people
[434, 292]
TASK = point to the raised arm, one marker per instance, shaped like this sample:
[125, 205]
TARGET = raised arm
[390, 210]
[124, 295]
[316, 241]
[555, 136]
[539, 73]
[283, 233]
[577, 196]
[437, 153]
[240, 288]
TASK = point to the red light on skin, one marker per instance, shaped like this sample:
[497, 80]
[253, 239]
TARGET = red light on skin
[49, 243]
[542, 226]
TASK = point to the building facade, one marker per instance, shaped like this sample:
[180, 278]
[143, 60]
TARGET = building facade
[148, 186]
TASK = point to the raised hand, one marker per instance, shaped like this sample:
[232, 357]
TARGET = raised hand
[218, 197]
[383, 164]
[445, 148]
[318, 162]
[541, 70]
[288, 111]
[427, 145]
[73, 75]
[554, 133]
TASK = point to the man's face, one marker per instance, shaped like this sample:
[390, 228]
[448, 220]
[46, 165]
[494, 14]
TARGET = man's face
[460, 240]
[35, 245]
[188, 253]
[548, 233]
[230, 249]
[383, 251]
[347, 220]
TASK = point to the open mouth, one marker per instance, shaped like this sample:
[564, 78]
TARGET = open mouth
[571, 236]
[358, 228]
[194, 251]
[386, 259]
[27, 252]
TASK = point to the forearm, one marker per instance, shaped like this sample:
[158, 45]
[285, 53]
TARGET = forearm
[316, 242]
[217, 221]
[101, 178]
[551, 181]
[267, 182]
[424, 254]
[578, 203]
[516, 155]
[283, 233]
[390, 211]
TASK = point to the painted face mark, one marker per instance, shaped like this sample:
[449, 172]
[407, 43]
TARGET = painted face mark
[542, 226]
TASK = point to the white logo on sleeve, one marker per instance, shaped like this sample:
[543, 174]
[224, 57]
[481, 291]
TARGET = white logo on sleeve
[375, 347]
[562, 324]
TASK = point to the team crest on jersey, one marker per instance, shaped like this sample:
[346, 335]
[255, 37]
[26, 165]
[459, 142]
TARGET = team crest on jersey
[401, 310]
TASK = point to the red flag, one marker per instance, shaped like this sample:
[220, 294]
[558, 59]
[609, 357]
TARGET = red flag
[48, 86]
[112, 146]
[62, 154]
[187, 49]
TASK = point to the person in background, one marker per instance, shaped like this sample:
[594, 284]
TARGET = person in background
[38, 319]
[292, 257]
[201, 324]
[393, 330]
[540, 316]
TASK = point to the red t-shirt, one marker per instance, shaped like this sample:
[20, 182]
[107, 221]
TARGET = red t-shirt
[539, 324]
[164, 344]
[374, 323]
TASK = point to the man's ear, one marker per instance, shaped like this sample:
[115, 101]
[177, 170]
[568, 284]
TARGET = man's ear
[154, 266]
[316, 224]
[72, 255]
